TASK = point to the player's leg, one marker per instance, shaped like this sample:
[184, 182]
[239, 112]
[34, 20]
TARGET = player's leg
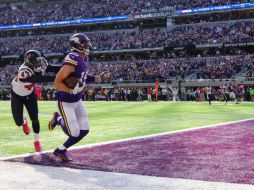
[78, 128]
[17, 112]
[226, 98]
[70, 126]
[61, 119]
[209, 99]
[57, 119]
[32, 109]
[238, 98]
[82, 117]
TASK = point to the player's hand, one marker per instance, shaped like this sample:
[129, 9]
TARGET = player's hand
[105, 76]
[78, 88]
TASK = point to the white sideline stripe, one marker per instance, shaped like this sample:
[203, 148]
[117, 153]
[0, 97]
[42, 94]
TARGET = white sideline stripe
[128, 139]
[17, 176]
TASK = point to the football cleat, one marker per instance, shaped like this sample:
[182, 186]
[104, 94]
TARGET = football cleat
[62, 155]
[37, 146]
[26, 129]
[53, 122]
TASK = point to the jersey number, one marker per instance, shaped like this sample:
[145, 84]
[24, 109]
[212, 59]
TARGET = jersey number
[25, 74]
[84, 76]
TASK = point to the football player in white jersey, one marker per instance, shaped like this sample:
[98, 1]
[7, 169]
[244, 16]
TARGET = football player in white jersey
[208, 91]
[23, 94]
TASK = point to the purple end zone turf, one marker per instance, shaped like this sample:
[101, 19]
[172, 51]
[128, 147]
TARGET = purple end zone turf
[224, 153]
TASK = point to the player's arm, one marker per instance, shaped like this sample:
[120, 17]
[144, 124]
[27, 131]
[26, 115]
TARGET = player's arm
[26, 76]
[38, 79]
[53, 68]
[93, 78]
[64, 72]
[104, 76]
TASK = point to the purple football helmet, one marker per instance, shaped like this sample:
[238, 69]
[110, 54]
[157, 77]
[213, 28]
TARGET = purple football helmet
[81, 43]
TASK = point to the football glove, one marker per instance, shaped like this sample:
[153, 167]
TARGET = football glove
[105, 76]
[77, 89]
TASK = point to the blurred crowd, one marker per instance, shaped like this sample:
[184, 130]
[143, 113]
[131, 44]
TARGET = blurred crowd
[207, 33]
[60, 10]
[215, 67]
[205, 67]
[96, 94]
[234, 93]
[171, 64]
[213, 17]
[212, 33]
[7, 73]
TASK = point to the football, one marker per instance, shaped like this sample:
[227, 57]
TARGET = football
[71, 82]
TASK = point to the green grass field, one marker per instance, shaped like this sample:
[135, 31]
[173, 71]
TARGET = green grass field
[118, 120]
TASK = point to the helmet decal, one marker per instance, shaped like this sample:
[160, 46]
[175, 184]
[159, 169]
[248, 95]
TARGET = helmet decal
[80, 42]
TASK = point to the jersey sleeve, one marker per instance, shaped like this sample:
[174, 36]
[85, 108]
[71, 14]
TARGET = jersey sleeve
[39, 79]
[90, 79]
[70, 59]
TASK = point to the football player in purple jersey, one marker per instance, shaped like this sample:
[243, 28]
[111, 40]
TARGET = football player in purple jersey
[73, 117]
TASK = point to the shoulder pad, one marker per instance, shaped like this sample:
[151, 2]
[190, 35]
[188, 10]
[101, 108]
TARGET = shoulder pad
[71, 58]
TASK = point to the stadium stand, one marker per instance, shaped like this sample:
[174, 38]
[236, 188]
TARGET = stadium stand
[55, 10]
[155, 42]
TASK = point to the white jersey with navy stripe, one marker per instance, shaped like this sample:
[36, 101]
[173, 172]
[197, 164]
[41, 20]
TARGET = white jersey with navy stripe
[21, 88]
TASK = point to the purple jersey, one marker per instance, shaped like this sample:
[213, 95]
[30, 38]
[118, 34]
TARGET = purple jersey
[81, 70]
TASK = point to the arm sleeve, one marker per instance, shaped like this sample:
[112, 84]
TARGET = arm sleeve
[90, 79]
[53, 68]
[39, 79]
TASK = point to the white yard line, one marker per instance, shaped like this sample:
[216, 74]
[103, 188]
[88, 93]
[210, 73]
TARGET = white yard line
[129, 139]
[19, 176]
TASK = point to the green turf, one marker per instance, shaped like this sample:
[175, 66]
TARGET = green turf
[118, 120]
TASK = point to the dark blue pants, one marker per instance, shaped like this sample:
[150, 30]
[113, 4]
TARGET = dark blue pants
[17, 106]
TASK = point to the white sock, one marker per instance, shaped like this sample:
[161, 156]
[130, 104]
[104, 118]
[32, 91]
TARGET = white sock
[62, 147]
[36, 136]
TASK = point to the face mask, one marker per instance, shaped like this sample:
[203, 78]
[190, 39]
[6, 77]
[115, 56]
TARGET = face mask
[42, 65]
